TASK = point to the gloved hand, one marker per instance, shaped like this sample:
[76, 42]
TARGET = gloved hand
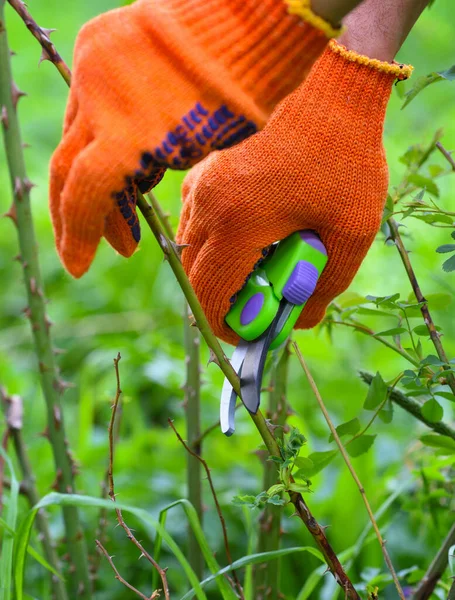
[159, 84]
[318, 164]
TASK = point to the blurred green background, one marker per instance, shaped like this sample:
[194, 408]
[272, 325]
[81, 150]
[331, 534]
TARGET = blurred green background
[135, 307]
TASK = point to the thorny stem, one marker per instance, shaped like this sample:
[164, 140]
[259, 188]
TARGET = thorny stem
[120, 578]
[52, 387]
[434, 334]
[346, 459]
[49, 51]
[171, 254]
[13, 412]
[267, 576]
[436, 569]
[215, 499]
[413, 408]
[447, 155]
[121, 522]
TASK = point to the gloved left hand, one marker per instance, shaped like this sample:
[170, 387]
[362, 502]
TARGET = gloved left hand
[159, 84]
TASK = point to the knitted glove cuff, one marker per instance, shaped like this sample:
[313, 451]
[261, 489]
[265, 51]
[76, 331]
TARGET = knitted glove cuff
[397, 70]
[302, 8]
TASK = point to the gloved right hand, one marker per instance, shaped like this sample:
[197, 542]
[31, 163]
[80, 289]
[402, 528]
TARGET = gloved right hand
[318, 164]
[159, 84]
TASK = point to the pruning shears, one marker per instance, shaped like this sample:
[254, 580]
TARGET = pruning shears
[265, 312]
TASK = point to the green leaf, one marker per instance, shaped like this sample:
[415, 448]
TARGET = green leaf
[433, 218]
[276, 500]
[390, 332]
[445, 248]
[423, 330]
[446, 395]
[449, 265]
[425, 183]
[432, 411]
[275, 489]
[451, 556]
[349, 428]
[6, 562]
[300, 488]
[420, 84]
[376, 393]
[435, 170]
[360, 445]
[253, 559]
[438, 441]
[439, 301]
[320, 461]
[386, 414]
[448, 74]
[431, 359]
[303, 463]
[244, 500]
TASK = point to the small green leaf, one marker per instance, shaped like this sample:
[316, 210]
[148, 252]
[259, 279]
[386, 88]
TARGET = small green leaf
[449, 265]
[420, 84]
[423, 330]
[320, 461]
[360, 445]
[446, 395]
[439, 301]
[376, 393]
[303, 462]
[386, 414]
[432, 411]
[349, 428]
[276, 500]
[438, 441]
[275, 489]
[244, 500]
[425, 183]
[394, 331]
[435, 170]
[431, 359]
[300, 488]
[445, 248]
[448, 74]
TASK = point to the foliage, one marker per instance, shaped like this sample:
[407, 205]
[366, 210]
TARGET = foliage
[135, 307]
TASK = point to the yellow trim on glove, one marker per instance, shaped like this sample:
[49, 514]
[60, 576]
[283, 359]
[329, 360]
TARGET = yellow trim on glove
[399, 70]
[302, 8]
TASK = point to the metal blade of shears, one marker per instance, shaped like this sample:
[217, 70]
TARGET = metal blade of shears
[228, 395]
[254, 361]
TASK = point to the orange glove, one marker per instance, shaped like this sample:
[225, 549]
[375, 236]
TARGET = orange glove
[159, 84]
[318, 164]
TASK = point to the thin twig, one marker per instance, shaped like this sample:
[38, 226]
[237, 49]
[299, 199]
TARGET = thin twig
[21, 215]
[120, 578]
[346, 459]
[13, 407]
[215, 499]
[428, 320]
[218, 356]
[49, 52]
[121, 521]
[448, 155]
[436, 568]
[413, 408]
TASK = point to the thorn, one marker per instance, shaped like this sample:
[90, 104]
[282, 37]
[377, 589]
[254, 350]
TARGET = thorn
[28, 185]
[25, 145]
[27, 312]
[58, 351]
[213, 358]
[45, 433]
[17, 95]
[56, 485]
[179, 248]
[44, 56]
[4, 117]
[48, 323]
[57, 417]
[12, 53]
[33, 286]
[12, 214]
[47, 32]
[18, 189]
[43, 368]
[295, 514]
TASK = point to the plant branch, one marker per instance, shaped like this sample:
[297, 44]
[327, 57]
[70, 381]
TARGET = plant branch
[412, 407]
[447, 155]
[428, 320]
[346, 459]
[49, 51]
[121, 521]
[218, 356]
[13, 406]
[52, 386]
[436, 568]
[215, 499]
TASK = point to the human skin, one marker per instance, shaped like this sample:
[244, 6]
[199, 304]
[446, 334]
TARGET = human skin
[378, 28]
[333, 11]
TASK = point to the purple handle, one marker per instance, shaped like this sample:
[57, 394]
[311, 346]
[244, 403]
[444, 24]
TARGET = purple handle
[302, 283]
